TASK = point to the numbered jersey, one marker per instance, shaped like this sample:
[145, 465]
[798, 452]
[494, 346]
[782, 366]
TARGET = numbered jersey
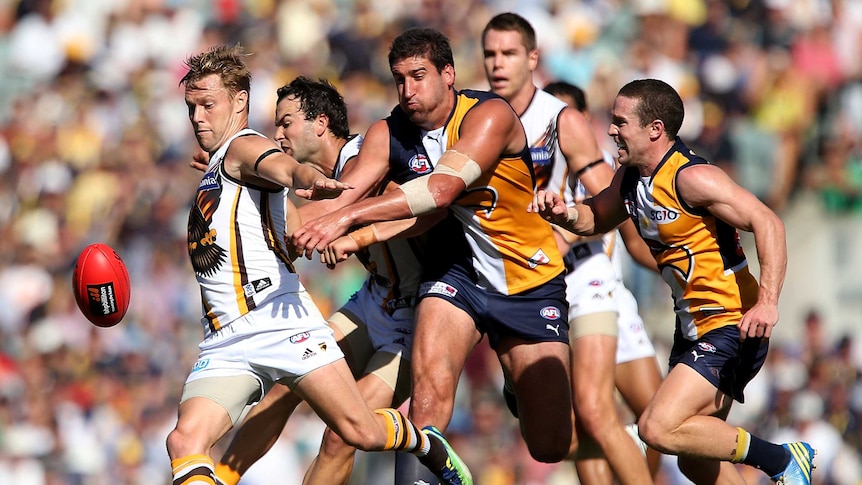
[236, 244]
[511, 250]
[699, 255]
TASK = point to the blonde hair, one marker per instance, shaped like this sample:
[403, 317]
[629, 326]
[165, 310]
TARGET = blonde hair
[226, 62]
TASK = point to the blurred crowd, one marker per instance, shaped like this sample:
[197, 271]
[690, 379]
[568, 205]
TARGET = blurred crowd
[95, 146]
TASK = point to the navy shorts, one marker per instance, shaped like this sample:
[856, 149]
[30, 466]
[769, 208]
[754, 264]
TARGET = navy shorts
[721, 358]
[536, 315]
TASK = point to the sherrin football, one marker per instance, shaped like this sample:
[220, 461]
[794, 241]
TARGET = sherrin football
[101, 285]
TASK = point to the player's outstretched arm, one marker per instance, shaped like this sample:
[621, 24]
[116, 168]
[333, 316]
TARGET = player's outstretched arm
[342, 248]
[490, 129]
[254, 158]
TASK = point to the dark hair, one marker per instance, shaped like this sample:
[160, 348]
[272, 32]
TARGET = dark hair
[226, 61]
[657, 100]
[318, 97]
[513, 22]
[562, 88]
[422, 42]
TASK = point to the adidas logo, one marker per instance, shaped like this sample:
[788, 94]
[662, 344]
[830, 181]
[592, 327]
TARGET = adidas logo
[308, 354]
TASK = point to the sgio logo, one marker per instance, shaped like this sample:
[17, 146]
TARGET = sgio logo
[663, 215]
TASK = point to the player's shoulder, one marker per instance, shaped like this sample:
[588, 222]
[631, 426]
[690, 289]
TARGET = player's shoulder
[250, 144]
[546, 100]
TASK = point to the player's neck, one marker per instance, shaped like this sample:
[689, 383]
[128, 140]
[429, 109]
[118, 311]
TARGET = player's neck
[521, 99]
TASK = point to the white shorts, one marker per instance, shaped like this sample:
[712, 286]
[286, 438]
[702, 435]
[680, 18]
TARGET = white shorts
[285, 338]
[633, 342]
[591, 282]
[390, 329]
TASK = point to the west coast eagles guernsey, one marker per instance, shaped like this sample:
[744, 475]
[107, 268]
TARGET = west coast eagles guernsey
[511, 250]
[236, 244]
[699, 255]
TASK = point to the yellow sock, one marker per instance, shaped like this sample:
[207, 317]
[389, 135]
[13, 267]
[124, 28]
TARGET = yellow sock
[226, 474]
[402, 434]
[743, 440]
[193, 470]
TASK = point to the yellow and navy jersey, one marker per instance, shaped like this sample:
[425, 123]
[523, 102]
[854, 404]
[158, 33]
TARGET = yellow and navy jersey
[510, 249]
[236, 243]
[699, 255]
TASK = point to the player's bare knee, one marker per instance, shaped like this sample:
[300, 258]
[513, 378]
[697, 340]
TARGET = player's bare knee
[179, 444]
[655, 435]
[333, 445]
[595, 418]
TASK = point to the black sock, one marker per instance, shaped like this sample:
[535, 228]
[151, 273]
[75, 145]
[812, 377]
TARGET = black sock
[409, 470]
[769, 457]
[436, 458]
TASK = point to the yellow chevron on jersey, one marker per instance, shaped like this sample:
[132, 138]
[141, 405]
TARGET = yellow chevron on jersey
[699, 255]
[513, 250]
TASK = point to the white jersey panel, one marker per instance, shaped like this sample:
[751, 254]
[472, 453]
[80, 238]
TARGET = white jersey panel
[540, 123]
[236, 244]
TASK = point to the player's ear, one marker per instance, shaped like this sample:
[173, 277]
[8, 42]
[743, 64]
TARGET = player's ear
[448, 74]
[240, 101]
[656, 129]
[321, 124]
[533, 59]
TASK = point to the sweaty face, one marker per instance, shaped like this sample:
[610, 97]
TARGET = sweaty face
[293, 132]
[212, 111]
[422, 91]
[630, 137]
[508, 64]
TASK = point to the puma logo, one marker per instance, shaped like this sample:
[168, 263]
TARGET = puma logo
[556, 328]
[696, 355]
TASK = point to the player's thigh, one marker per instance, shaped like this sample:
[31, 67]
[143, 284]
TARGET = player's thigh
[539, 372]
[443, 338]
[682, 394]
[594, 357]
[200, 423]
[386, 382]
[333, 394]
[638, 380]
[352, 336]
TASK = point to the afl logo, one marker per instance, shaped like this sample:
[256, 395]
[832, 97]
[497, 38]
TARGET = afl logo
[300, 337]
[706, 347]
[550, 313]
[420, 164]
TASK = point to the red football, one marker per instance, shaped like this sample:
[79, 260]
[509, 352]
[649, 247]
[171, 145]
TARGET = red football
[101, 285]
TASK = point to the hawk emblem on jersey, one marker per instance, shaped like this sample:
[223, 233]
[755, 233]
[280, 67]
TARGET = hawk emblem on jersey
[420, 164]
[480, 199]
[542, 155]
[206, 256]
